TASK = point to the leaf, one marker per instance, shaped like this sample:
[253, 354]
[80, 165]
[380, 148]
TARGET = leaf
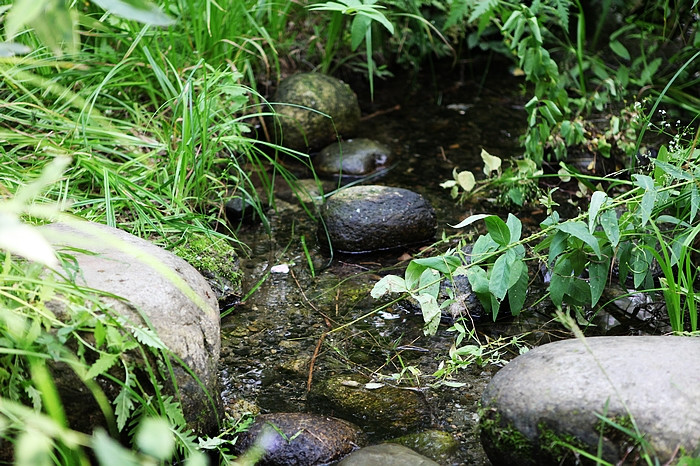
[469, 220]
[619, 49]
[148, 337]
[56, 28]
[579, 230]
[430, 282]
[110, 452]
[561, 280]
[694, 202]
[466, 180]
[413, 274]
[142, 11]
[597, 200]
[23, 12]
[388, 284]
[123, 404]
[102, 365]
[515, 227]
[598, 277]
[649, 197]
[360, 25]
[25, 240]
[611, 227]
[498, 229]
[481, 8]
[10, 49]
[484, 245]
[557, 246]
[155, 438]
[478, 279]
[431, 312]
[491, 162]
[517, 293]
[500, 277]
[445, 264]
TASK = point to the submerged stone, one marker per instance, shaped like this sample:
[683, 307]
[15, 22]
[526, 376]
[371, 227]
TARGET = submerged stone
[372, 218]
[386, 454]
[552, 395]
[300, 439]
[352, 158]
[313, 110]
[435, 444]
[383, 409]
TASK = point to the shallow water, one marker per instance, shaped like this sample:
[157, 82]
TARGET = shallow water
[276, 344]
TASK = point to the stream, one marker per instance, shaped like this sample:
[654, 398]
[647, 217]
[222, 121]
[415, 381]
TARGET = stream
[277, 346]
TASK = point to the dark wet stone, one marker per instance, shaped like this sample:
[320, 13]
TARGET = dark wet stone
[304, 129]
[310, 439]
[386, 454]
[387, 409]
[240, 210]
[352, 158]
[373, 218]
[435, 444]
[552, 394]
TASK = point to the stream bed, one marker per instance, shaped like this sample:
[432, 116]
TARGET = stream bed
[311, 319]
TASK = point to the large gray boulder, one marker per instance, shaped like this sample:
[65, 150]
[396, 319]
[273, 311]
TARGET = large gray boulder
[175, 299]
[314, 110]
[373, 218]
[551, 396]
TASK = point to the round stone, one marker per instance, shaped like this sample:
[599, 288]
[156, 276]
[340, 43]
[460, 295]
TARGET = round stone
[555, 394]
[352, 158]
[300, 438]
[313, 110]
[372, 218]
[386, 454]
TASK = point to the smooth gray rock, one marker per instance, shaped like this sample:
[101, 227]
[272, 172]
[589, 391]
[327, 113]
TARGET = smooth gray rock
[386, 454]
[552, 393]
[373, 218]
[352, 158]
[126, 266]
[313, 110]
[310, 439]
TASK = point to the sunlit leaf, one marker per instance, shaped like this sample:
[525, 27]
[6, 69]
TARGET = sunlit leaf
[515, 227]
[25, 240]
[491, 162]
[469, 220]
[580, 230]
[388, 284]
[110, 452]
[155, 438]
[597, 200]
[611, 227]
[445, 264]
[431, 312]
[142, 11]
[466, 180]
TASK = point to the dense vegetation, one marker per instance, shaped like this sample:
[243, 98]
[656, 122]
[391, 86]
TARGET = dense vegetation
[148, 117]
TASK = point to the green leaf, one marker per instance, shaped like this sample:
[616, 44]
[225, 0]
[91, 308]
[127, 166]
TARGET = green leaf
[598, 277]
[445, 264]
[123, 404]
[619, 49]
[517, 293]
[102, 365]
[430, 282]
[466, 180]
[389, 284]
[611, 227]
[431, 312]
[500, 277]
[148, 337]
[579, 230]
[483, 7]
[110, 452]
[478, 280]
[557, 246]
[673, 170]
[22, 13]
[649, 197]
[694, 202]
[56, 29]
[639, 264]
[412, 275]
[142, 11]
[498, 229]
[514, 227]
[561, 280]
[517, 266]
[155, 438]
[597, 200]
[359, 27]
[535, 28]
[483, 245]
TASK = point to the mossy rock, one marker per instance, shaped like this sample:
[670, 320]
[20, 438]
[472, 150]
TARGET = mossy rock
[386, 410]
[314, 110]
[435, 444]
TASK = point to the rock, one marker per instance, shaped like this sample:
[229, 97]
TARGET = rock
[387, 409]
[438, 445]
[323, 97]
[352, 158]
[386, 454]
[371, 218]
[122, 264]
[552, 394]
[310, 439]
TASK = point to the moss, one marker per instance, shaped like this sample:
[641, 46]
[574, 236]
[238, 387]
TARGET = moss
[557, 447]
[211, 256]
[504, 437]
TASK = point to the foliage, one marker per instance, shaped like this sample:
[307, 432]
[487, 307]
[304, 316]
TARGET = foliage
[655, 221]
